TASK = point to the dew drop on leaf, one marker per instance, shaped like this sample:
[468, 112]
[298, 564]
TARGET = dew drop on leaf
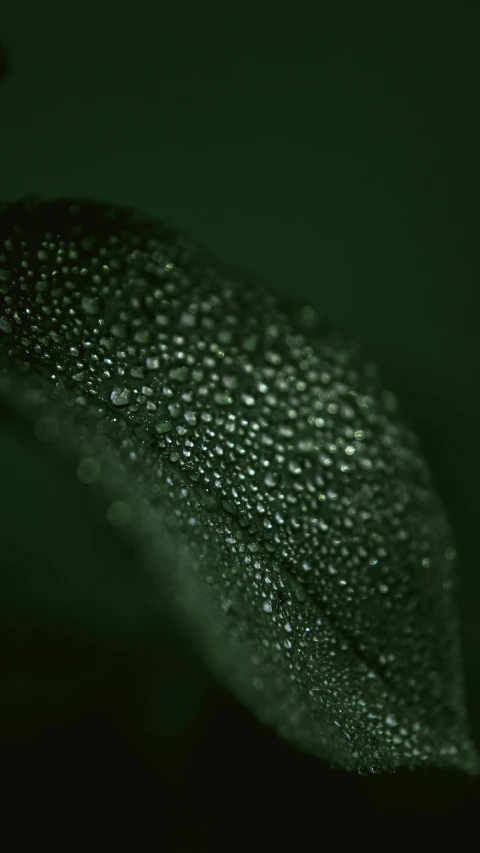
[121, 396]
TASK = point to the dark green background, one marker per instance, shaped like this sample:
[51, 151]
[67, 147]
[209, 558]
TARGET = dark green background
[332, 147]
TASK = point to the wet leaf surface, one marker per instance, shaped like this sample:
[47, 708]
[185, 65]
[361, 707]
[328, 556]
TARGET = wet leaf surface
[269, 483]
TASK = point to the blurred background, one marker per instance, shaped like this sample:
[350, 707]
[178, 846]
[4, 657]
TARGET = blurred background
[333, 148]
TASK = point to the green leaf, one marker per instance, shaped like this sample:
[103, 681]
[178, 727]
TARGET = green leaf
[264, 474]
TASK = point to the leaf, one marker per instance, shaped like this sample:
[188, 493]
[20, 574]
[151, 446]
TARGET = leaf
[272, 488]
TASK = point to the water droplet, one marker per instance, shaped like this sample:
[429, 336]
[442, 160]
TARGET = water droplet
[90, 304]
[248, 399]
[222, 399]
[179, 374]
[121, 396]
[175, 410]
